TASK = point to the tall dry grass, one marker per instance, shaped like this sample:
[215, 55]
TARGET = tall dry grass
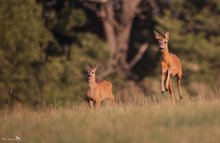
[140, 119]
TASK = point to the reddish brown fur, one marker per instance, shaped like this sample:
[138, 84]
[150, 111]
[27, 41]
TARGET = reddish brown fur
[170, 65]
[98, 91]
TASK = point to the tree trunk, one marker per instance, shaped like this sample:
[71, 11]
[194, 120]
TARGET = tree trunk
[123, 45]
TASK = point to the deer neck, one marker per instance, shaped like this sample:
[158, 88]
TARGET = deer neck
[92, 83]
[166, 55]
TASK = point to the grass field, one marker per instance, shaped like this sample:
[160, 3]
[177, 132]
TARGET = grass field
[139, 121]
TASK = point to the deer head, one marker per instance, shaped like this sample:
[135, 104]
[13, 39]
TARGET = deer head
[163, 41]
[91, 72]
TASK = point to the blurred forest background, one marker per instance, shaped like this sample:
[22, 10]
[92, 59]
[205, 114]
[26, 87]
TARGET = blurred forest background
[45, 45]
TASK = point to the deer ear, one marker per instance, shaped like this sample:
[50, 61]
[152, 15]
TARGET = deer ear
[95, 67]
[157, 35]
[167, 35]
[87, 67]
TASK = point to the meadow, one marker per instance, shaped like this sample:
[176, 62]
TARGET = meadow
[139, 120]
[46, 44]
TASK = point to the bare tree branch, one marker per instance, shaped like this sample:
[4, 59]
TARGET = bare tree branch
[107, 72]
[129, 8]
[92, 7]
[103, 12]
[138, 56]
[108, 14]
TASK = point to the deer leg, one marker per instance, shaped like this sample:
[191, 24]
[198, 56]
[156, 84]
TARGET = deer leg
[171, 92]
[168, 80]
[113, 100]
[162, 82]
[91, 104]
[98, 104]
[180, 89]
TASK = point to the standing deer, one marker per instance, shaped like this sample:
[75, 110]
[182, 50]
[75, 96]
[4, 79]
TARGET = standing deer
[100, 91]
[170, 65]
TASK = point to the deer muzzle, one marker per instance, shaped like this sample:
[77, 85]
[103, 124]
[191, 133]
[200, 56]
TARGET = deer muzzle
[89, 76]
[161, 49]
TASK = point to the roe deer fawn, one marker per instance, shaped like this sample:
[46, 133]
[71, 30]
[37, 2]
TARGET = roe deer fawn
[170, 65]
[98, 91]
